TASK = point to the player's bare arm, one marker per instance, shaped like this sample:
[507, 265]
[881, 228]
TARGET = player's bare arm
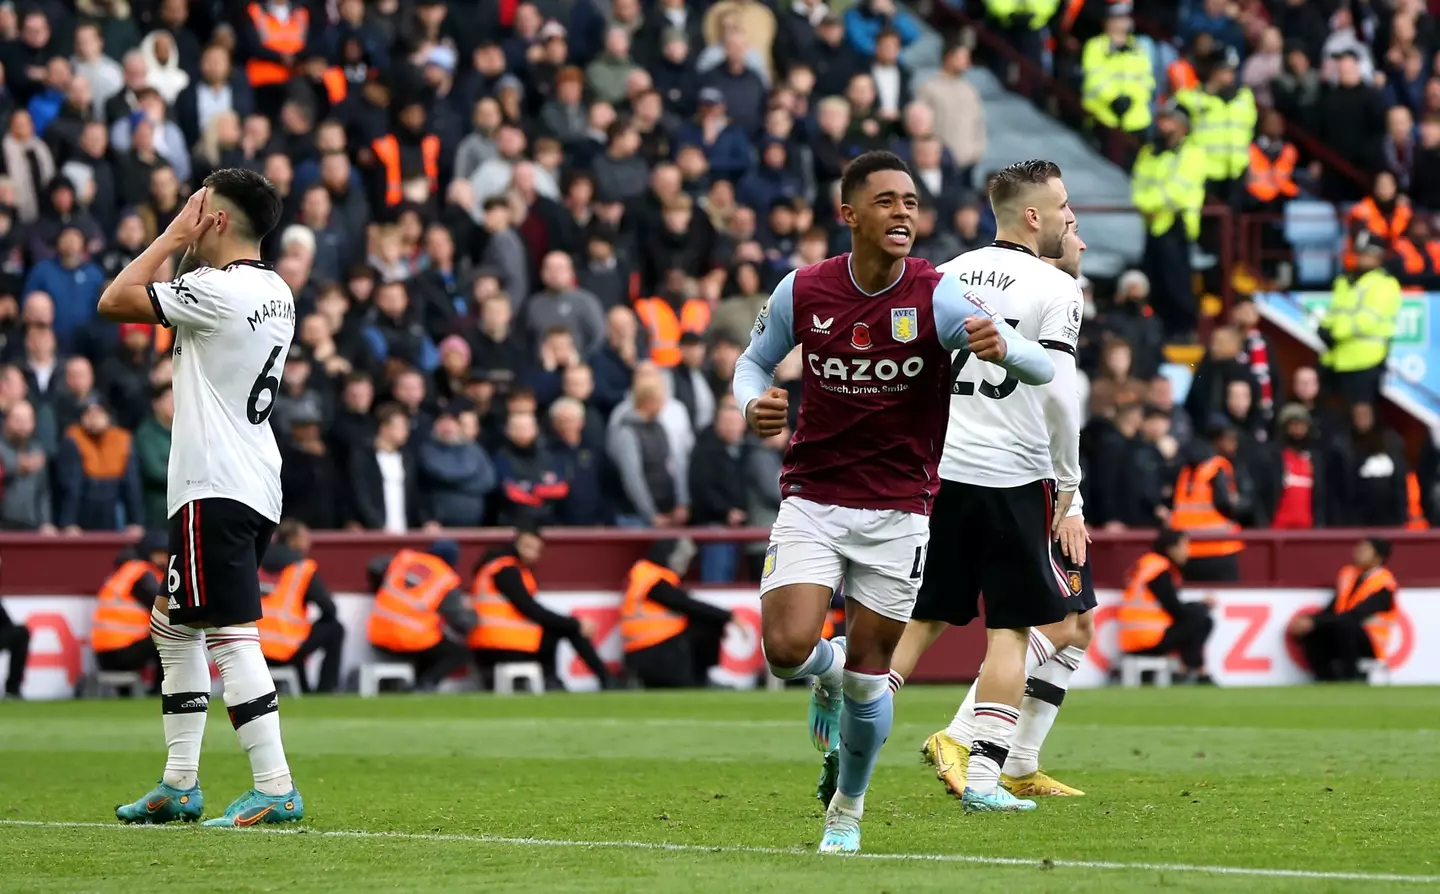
[127, 299]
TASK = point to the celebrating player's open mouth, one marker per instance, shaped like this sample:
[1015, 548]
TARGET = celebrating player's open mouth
[898, 236]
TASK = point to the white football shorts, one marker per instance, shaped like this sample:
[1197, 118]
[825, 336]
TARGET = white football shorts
[877, 554]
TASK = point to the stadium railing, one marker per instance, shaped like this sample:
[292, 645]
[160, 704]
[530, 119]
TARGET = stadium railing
[591, 558]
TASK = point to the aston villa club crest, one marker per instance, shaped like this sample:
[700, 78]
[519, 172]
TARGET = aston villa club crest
[1075, 585]
[904, 324]
[860, 337]
[769, 568]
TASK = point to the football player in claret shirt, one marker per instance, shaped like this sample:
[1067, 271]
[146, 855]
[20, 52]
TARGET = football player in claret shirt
[876, 330]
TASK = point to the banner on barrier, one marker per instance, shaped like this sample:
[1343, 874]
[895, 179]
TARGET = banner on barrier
[1248, 647]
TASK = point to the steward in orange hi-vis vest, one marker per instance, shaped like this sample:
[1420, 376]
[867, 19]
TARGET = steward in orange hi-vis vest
[290, 584]
[1153, 620]
[422, 615]
[1210, 504]
[120, 625]
[671, 639]
[514, 626]
[1361, 621]
[280, 32]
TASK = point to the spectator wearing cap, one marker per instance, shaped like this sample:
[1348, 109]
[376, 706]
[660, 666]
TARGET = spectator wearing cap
[1304, 494]
[1359, 324]
[97, 475]
[152, 455]
[455, 474]
[219, 89]
[126, 374]
[727, 148]
[1350, 120]
[1368, 470]
[72, 281]
[25, 503]
[1359, 620]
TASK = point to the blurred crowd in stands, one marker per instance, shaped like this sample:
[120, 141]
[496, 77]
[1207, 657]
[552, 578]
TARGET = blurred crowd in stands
[529, 238]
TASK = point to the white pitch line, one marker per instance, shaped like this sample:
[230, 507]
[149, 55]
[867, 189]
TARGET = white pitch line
[792, 852]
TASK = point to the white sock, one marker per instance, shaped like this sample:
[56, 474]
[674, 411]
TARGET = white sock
[826, 663]
[962, 727]
[896, 681]
[184, 697]
[994, 728]
[1044, 693]
[253, 705]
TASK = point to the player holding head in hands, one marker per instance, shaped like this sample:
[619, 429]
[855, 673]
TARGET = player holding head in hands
[1004, 450]
[875, 329]
[233, 318]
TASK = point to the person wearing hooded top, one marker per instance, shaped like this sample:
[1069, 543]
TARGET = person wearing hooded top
[671, 638]
[514, 626]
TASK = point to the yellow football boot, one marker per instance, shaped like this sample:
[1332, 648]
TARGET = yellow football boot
[1038, 785]
[950, 760]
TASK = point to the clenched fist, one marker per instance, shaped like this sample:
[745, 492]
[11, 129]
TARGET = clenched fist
[769, 413]
[985, 340]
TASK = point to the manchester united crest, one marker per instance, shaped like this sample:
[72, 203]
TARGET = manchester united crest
[1075, 584]
[904, 324]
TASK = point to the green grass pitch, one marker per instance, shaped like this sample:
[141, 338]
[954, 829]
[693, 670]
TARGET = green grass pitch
[1285, 790]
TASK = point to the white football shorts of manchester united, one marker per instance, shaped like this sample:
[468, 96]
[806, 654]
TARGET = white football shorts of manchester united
[877, 554]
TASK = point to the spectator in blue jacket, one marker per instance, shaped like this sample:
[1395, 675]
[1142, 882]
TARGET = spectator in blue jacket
[455, 473]
[1213, 18]
[45, 105]
[71, 281]
[735, 77]
[865, 20]
[726, 146]
[580, 458]
[530, 481]
[613, 366]
[98, 479]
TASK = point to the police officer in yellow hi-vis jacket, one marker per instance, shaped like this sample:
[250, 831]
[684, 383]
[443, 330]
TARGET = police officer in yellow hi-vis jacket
[1119, 81]
[671, 638]
[1359, 324]
[1222, 123]
[1022, 23]
[1168, 188]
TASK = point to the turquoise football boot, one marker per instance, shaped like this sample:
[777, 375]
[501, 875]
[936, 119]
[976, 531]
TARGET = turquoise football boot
[825, 709]
[164, 804]
[254, 808]
[829, 777]
[842, 832]
[999, 801]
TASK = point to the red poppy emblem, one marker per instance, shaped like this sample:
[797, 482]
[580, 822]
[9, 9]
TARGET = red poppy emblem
[860, 337]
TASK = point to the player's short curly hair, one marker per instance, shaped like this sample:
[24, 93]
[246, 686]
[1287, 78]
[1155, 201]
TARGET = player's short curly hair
[1010, 182]
[253, 196]
[865, 164]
